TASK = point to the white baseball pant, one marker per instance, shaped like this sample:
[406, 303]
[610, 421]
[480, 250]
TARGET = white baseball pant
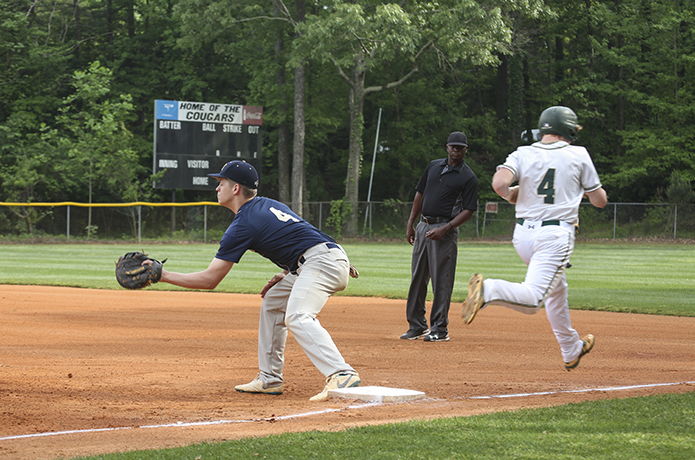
[292, 304]
[546, 250]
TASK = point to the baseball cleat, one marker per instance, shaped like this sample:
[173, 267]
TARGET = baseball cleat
[257, 386]
[412, 335]
[338, 380]
[587, 344]
[475, 299]
[437, 337]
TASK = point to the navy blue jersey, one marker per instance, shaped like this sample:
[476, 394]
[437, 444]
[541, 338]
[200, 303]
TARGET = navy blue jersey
[271, 229]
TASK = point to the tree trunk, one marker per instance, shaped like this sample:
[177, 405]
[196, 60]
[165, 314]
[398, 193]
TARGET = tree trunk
[621, 99]
[109, 25]
[355, 150]
[298, 144]
[559, 57]
[358, 93]
[284, 161]
[130, 19]
[502, 88]
[528, 116]
[283, 128]
[298, 147]
[78, 23]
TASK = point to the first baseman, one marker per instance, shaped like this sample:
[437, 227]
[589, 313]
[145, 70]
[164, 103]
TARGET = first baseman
[553, 178]
[313, 267]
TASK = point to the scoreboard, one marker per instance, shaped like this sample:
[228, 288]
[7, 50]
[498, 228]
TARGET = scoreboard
[193, 139]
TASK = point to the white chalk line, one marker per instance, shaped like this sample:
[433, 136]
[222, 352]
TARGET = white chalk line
[585, 390]
[186, 424]
[327, 411]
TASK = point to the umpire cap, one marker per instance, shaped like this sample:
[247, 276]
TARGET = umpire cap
[240, 172]
[457, 138]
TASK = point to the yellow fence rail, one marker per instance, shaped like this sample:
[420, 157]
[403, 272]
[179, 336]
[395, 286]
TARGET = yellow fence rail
[136, 204]
[388, 218]
[113, 205]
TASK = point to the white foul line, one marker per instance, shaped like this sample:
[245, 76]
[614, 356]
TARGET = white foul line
[327, 411]
[186, 424]
[586, 390]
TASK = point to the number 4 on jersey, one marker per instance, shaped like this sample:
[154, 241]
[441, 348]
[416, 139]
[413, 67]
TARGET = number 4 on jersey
[283, 216]
[547, 187]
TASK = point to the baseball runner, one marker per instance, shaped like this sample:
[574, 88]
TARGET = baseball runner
[553, 177]
[313, 267]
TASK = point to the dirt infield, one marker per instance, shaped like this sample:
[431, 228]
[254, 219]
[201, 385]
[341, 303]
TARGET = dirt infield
[84, 371]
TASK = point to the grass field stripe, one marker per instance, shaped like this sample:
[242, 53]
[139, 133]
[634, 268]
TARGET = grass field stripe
[187, 424]
[586, 390]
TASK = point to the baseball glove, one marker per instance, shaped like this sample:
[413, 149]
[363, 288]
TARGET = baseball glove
[513, 194]
[132, 274]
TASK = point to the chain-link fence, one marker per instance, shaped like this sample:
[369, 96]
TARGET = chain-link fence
[616, 220]
[207, 221]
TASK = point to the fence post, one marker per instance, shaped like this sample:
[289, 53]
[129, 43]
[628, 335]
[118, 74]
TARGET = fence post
[173, 213]
[477, 220]
[139, 223]
[675, 220]
[68, 230]
[205, 223]
[320, 213]
[615, 215]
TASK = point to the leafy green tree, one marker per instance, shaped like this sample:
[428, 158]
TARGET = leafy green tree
[30, 178]
[98, 145]
[357, 37]
[33, 60]
[679, 190]
[252, 39]
[625, 67]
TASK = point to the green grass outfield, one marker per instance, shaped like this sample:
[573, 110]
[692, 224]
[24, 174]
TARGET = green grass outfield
[623, 277]
[636, 278]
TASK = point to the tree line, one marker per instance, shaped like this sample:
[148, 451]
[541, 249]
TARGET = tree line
[78, 81]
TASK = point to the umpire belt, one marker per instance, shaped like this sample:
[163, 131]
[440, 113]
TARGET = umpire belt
[434, 220]
[328, 245]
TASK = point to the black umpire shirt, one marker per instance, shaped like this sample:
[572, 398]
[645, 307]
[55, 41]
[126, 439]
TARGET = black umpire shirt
[447, 190]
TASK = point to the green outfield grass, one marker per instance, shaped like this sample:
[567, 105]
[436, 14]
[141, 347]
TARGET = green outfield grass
[642, 278]
[637, 278]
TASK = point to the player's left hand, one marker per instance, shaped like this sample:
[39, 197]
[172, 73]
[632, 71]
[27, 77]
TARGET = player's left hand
[272, 282]
[136, 270]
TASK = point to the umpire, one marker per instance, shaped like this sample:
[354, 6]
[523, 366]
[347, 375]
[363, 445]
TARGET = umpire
[446, 197]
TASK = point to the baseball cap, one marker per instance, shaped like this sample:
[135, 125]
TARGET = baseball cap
[240, 172]
[457, 138]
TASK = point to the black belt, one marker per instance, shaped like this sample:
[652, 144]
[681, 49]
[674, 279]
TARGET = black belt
[545, 223]
[434, 220]
[328, 245]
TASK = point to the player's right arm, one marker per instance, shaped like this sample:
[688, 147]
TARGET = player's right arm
[414, 215]
[501, 181]
[207, 279]
[598, 197]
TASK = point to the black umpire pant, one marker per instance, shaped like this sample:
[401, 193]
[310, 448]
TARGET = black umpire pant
[435, 260]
